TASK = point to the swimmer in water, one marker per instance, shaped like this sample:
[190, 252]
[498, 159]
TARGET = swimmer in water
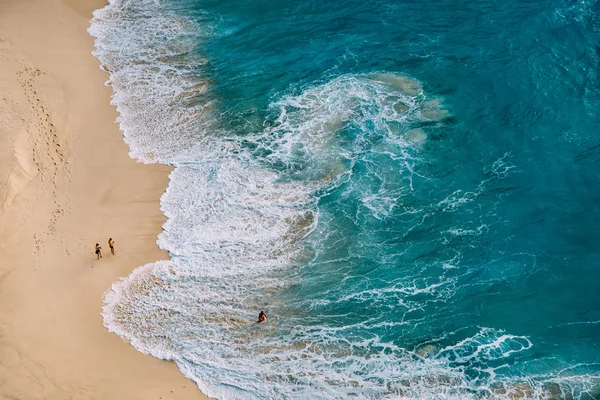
[261, 317]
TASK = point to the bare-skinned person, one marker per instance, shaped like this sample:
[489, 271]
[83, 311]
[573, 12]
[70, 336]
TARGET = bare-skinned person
[98, 251]
[261, 317]
[111, 245]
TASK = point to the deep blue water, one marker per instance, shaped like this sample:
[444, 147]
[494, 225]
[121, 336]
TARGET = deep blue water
[444, 248]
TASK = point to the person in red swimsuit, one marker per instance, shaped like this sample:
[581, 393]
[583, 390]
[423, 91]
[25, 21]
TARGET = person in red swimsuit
[261, 317]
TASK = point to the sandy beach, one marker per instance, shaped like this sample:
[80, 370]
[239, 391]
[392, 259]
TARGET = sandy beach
[67, 182]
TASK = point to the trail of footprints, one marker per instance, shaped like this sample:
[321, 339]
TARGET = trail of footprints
[48, 154]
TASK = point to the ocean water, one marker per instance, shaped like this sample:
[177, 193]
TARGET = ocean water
[408, 189]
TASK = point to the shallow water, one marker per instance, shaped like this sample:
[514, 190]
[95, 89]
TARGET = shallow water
[408, 190]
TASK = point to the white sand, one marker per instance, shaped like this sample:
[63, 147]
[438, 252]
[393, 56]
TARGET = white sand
[66, 182]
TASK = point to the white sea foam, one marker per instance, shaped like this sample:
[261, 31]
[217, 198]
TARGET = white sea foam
[235, 228]
[156, 80]
[327, 126]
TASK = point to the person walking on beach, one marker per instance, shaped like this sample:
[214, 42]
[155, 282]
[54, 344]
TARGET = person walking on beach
[261, 317]
[111, 244]
[98, 251]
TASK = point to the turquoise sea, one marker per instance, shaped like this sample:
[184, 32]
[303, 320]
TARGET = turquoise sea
[408, 189]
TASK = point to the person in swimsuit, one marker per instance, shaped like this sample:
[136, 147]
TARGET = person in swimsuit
[261, 317]
[111, 244]
[98, 251]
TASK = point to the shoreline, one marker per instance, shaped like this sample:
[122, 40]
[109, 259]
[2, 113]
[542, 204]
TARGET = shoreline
[67, 182]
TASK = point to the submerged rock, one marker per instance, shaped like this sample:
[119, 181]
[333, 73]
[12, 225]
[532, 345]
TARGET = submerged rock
[403, 84]
[552, 391]
[416, 137]
[434, 110]
[521, 390]
[514, 391]
[400, 107]
[425, 351]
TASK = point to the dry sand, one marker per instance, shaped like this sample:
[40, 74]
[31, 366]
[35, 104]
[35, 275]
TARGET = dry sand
[66, 182]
